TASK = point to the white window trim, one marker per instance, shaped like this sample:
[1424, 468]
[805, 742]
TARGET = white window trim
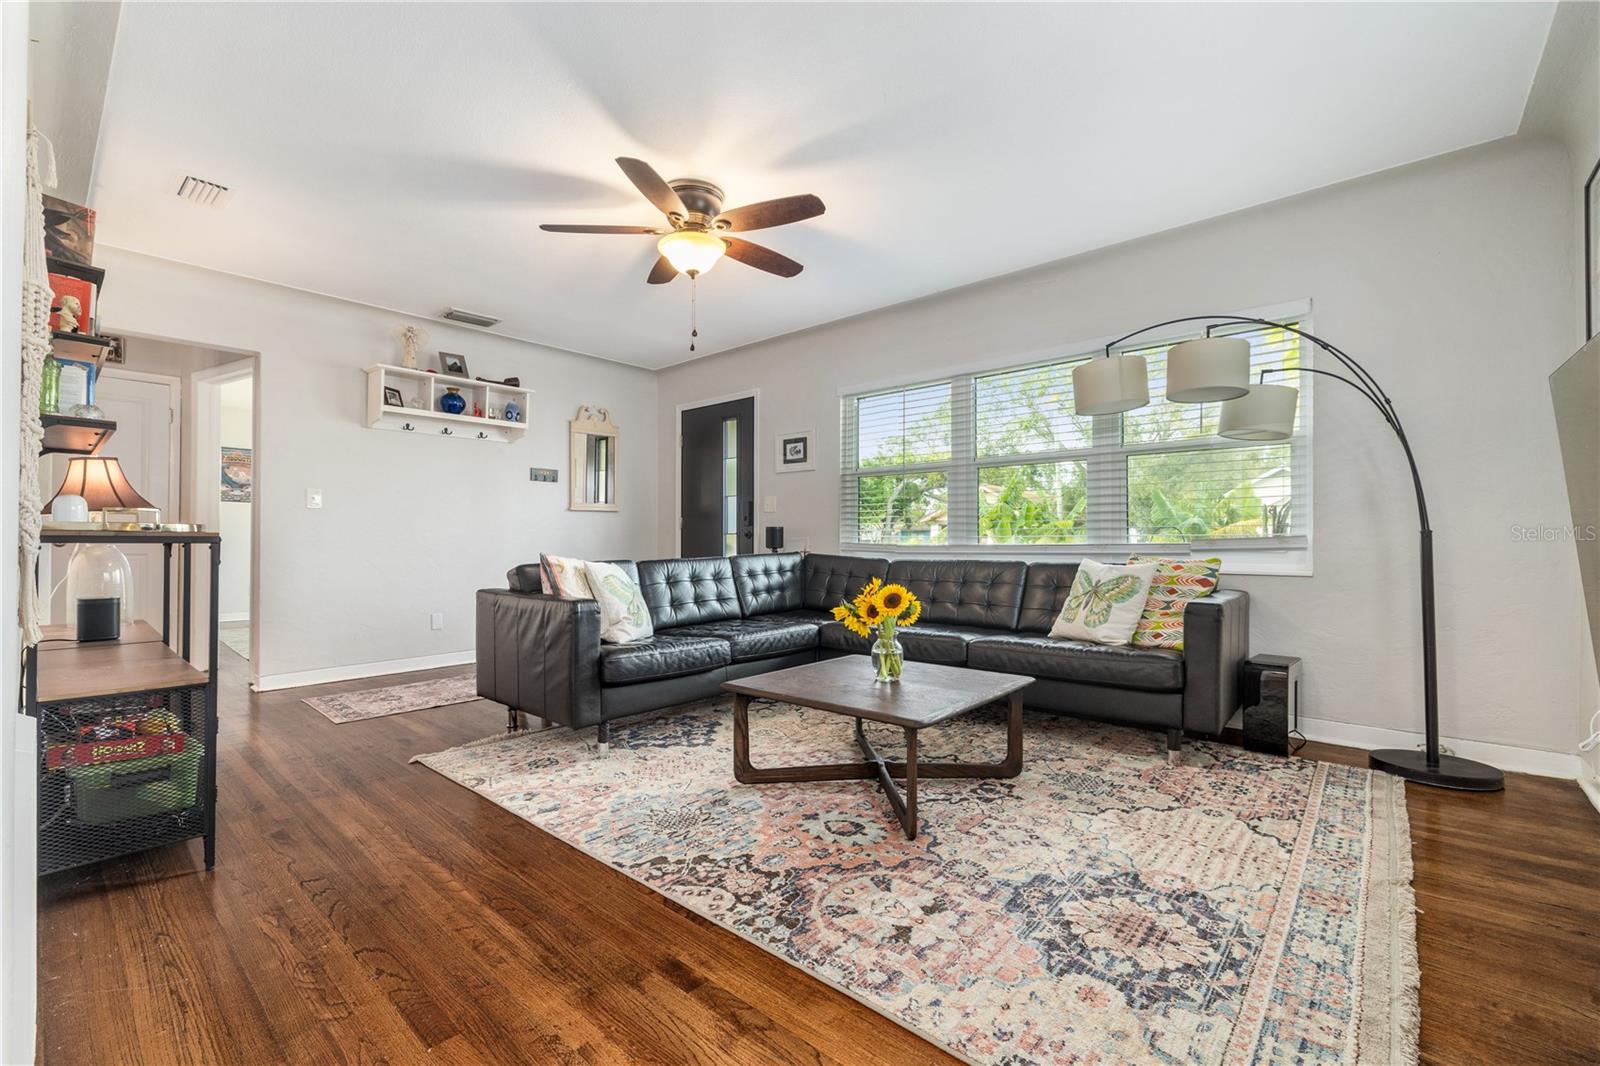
[1290, 556]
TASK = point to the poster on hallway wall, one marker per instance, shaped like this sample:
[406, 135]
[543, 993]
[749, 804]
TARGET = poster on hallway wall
[236, 475]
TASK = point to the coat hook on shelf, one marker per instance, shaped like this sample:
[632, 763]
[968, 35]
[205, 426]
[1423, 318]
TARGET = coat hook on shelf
[408, 427]
[482, 435]
[445, 431]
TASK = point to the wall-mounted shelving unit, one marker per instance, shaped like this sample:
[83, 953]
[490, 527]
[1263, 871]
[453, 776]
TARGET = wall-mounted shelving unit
[67, 435]
[424, 389]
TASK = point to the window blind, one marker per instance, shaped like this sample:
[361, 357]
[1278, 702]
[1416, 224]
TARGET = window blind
[1000, 458]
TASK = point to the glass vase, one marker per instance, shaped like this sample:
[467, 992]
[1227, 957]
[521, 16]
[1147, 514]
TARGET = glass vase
[888, 659]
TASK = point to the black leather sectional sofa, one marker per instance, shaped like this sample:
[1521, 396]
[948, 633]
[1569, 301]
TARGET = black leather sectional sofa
[717, 619]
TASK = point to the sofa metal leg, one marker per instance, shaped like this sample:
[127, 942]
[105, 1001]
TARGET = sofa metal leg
[513, 720]
[1174, 746]
[603, 735]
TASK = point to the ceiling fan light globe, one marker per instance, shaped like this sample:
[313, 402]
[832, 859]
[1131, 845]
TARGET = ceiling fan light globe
[1208, 369]
[1266, 412]
[690, 251]
[1110, 385]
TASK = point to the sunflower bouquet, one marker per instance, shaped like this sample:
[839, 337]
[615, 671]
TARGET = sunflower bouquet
[881, 609]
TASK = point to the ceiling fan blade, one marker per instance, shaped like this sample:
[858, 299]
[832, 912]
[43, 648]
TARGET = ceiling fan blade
[656, 190]
[769, 213]
[662, 272]
[600, 229]
[761, 258]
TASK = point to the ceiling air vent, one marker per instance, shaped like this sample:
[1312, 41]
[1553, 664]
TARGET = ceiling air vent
[455, 314]
[202, 192]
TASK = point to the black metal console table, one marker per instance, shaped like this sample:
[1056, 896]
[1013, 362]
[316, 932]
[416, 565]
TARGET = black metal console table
[127, 753]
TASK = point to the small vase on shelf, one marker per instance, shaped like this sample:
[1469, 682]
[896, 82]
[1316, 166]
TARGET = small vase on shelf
[513, 411]
[452, 402]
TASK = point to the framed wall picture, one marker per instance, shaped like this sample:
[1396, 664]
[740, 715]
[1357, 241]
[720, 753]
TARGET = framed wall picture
[796, 451]
[392, 397]
[1591, 252]
[453, 364]
[236, 475]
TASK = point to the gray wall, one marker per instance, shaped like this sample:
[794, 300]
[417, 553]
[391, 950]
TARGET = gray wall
[1448, 278]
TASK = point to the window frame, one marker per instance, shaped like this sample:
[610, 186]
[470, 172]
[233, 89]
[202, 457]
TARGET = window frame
[1106, 466]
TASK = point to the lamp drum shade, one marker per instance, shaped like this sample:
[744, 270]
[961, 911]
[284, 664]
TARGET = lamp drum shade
[1208, 369]
[101, 482]
[1110, 385]
[1266, 412]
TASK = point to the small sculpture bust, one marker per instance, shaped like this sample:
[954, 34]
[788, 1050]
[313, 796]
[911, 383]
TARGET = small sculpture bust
[67, 314]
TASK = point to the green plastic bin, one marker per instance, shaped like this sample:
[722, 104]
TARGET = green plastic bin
[136, 788]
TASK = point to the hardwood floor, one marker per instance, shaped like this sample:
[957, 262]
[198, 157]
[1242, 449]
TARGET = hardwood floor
[364, 910]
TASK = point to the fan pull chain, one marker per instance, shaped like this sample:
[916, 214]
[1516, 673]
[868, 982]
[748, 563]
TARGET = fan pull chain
[694, 310]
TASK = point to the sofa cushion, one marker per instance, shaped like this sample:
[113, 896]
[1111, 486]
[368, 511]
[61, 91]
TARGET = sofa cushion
[968, 592]
[663, 655]
[681, 592]
[923, 643]
[1044, 593]
[531, 577]
[1151, 669]
[767, 583]
[761, 637]
[832, 579]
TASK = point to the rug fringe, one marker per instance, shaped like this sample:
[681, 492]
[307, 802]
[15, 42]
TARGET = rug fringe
[1392, 975]
[493, 738]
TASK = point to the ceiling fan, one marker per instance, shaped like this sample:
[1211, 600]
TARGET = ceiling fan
[694, 240]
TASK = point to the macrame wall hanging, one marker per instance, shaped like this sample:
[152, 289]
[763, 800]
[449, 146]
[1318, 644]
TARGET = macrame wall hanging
[35, 347]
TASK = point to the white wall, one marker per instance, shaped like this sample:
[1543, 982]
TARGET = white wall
[233, 518]
[410, 523]
[1448, 279]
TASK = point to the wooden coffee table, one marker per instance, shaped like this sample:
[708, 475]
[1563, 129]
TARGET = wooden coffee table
[926, 695]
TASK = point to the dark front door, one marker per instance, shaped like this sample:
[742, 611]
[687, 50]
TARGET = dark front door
[717, 466]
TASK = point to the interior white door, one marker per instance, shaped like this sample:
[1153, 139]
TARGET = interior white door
[145, 410]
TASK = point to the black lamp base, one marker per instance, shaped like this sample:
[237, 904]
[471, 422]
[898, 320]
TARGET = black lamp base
[1451, 772]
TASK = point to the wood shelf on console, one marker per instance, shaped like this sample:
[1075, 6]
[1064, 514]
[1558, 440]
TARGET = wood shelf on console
[138, 662]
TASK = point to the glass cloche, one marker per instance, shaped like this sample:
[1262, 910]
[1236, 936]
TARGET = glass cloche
[99, 592]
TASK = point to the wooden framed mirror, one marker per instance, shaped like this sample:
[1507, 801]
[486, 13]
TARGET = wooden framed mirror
[594, 460]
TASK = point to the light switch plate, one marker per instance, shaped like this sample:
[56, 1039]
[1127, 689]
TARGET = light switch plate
[314, 499]
[541, 473]
[769, 505]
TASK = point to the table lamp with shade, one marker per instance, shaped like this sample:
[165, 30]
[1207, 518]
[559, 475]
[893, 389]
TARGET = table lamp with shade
[99, 579]
[1211, 369]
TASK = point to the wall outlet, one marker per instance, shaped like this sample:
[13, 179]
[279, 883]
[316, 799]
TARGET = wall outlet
[314, 499]
[436, 620]
[541, 473]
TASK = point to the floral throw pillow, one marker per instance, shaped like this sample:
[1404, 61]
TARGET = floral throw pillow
[1104, 603]
[623, 616]
[1177, 581]
[565, 577]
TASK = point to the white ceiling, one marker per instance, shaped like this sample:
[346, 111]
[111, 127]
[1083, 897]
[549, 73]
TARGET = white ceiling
[404, 155]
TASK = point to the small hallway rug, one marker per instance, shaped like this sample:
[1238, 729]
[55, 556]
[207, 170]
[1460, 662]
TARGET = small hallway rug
[395, 699]
[1101, 908]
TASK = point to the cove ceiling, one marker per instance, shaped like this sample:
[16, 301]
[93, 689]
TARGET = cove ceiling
[404, 155]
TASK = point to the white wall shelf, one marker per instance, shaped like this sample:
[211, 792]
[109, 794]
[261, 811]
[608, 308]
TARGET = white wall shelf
[425, 389]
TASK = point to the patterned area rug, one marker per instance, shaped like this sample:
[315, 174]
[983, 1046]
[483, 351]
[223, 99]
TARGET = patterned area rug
[395, 699]
[1101, 908]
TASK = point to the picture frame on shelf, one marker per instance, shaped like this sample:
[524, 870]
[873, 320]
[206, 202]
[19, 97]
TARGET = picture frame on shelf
[796, 451]
[392, 397]
[454, 365]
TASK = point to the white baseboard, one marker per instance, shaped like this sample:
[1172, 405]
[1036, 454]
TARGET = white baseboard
[233, 616]
[1506, 757]
[1591, 788]
[271, 682]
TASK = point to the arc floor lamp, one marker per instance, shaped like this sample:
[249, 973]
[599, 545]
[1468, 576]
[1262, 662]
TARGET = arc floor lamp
[1211, 369]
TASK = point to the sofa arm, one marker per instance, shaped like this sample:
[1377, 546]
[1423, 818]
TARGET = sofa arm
[1216, 642]
[540, 654]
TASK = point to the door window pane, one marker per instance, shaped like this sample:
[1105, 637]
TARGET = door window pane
[730, 486]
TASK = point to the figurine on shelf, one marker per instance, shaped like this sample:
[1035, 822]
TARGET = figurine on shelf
[410, 337]
[512, 411]
[67, 314]
[477, 411]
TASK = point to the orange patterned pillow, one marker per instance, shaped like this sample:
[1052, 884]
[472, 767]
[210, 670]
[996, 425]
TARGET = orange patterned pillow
[1177, 581]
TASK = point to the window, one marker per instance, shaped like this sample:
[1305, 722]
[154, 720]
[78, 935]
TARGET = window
[1000, 459]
